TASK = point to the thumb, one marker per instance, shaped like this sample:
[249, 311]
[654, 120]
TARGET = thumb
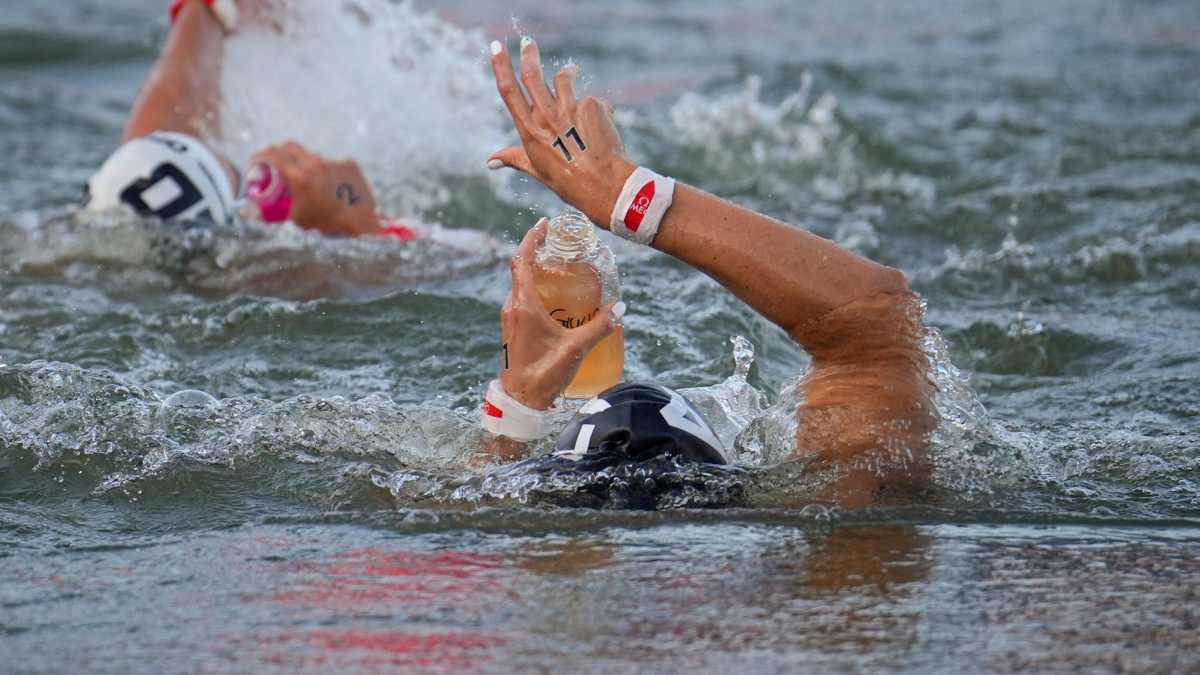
[587, 336]
[513, 157]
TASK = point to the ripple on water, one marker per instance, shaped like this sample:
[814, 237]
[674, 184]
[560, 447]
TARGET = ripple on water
[118, 440]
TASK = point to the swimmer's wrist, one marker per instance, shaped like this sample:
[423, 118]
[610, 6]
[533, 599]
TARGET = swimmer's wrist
[641, 205]
[505, 415]
[600, 213]
[526, 396]
[223, 12]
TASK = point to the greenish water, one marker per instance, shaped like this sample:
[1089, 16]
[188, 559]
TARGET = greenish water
[1034, 168]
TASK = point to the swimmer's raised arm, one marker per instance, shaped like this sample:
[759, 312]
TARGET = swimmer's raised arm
[183, 90]
[858, 319]
[798, 277]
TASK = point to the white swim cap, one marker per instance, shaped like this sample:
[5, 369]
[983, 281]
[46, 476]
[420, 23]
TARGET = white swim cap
[165, 174]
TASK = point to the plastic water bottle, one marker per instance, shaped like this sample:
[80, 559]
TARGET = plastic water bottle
[268, 191]
[576, 275]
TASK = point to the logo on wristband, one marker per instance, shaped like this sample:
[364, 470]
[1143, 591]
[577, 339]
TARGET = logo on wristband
[641, 205]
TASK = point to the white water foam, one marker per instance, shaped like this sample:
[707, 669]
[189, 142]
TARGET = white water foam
[742, 135]
[404, 93]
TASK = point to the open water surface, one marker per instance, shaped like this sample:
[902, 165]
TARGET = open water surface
[250, 450]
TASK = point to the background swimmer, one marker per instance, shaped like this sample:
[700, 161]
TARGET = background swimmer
[167, 166]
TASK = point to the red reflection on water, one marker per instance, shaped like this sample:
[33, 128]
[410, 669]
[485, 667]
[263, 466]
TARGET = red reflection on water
[375, 575]
[398, 588]
[385, 648]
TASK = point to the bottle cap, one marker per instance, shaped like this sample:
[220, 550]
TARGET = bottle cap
[570, 236]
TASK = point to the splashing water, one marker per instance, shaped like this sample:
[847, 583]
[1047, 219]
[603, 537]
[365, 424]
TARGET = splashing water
[120, 438]
[774, 151]
[730, 406]
[400, 91]
[280, 261]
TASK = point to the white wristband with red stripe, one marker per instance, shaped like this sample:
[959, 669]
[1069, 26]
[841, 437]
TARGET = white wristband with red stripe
[225, 11]
[641, 207]
[504, 415]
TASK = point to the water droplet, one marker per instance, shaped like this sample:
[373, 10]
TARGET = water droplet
[188, 401]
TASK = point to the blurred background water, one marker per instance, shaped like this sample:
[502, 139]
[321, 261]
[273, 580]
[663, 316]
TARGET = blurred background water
[245, 449]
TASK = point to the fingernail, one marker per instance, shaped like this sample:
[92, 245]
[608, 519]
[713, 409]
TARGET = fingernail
[497, 48]
[526, 41]
[495, 164]
[619, 310]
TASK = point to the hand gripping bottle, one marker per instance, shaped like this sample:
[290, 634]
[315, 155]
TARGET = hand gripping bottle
[576, 275]
[267, 190]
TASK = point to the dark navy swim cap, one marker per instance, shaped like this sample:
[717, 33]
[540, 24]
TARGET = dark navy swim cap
[641, 421]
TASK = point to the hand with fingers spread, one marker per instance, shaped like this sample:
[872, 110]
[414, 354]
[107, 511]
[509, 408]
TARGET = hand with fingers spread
[329, 196]
[569, 145]
[540, 356]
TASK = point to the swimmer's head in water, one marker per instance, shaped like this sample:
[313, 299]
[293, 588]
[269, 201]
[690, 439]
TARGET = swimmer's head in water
[642, 421]
[168, 175]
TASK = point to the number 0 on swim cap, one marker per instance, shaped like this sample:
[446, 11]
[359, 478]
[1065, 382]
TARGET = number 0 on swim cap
[169, 175]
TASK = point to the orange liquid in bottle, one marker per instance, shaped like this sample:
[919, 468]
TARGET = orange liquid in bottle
[571, 292]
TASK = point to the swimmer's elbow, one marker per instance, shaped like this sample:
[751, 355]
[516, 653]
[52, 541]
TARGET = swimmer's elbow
[882, 315]
[891, 281]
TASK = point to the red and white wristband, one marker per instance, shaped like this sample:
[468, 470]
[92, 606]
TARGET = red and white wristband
[225, 11]
[643, 203]
[504, 415]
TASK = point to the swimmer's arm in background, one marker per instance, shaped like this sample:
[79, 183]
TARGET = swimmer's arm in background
[183, 91]
[541, 357]
[858, 319]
